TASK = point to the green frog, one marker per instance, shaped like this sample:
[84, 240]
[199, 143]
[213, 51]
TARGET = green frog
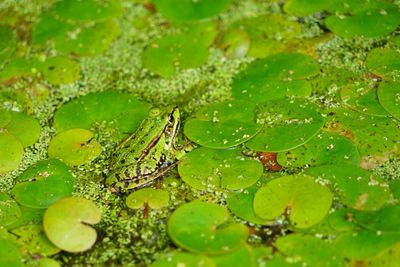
[148, 153]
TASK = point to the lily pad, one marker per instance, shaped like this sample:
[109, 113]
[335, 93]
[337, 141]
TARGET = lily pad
[305, 7]
[28, 216]
[93, 109]
[355, 187]
[188, 10]
[155, 198]
[287, 125]
[7, 43]
[205, 228]
[43, 262]
[275, 77]
[178, 258]
[33, 241]
[324, 148]
[372, 19]
[11, 152]
[294, 195]
[240, 257]
[60, 70]
[386, 219]
[23, 127]
[383, 61]
[235, 43]
[75, 147]
[10, 254]
[226, 168]
[389, 97]
[17, 68]
[43, 184]
[67, 224]
[5, 118]
[223, 125]
[9, 210]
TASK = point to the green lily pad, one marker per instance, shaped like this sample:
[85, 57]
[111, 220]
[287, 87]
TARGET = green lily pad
[294, 195]
[287, 125]
[235, 43]
[355, 187]
[155, 198]
[389, 97]
[28, 216]
[67, 224]
[383, 61]
[223, 125]
[187, 10]
[386, 258]
[10, 153]
[75, 147]
[7, 43]
[5, 118]
[308, 251]
[43, 262]
[364, 244]
[226, 168]
[268, 34]
[205, 228]
[23, 127]
[48, 27]
[10, 255]
[363, 98]
[60, 70]
[17, 68]
[180, 51]
[32, 240]
[386, 219]
[395, 188]
[119, 110]
[240, 257]
[305, 7]
[374, 19]
[177, 258]
[43, 184]
[9, 210]
[324, 148]
[275, 77]
[88, 10]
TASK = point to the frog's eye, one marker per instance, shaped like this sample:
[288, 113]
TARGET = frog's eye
[171, 118]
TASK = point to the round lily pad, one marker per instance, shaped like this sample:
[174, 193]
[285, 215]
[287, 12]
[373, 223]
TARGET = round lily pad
[386, 219]
[188, 10]
[119, 110]
[7, 43]
[294, 195]
[177, 258]
[9, 210]
[305, 7]
[24, 127]
[48, 27]
[5, 118]
[43, 184]
[287, 125]
[75, 147]
[389, 97]
[155, 198]
[355, 187]
[10, 153]
[10, 254]
[67, 224]
[240, 257]
[17, 68]
[363, 98]
[372, 19]
[383, 61]
[59, 70]
[235, 43]
[88, 10]
[32, 240]
[323, 148]
[275, 77]
[226, 168]
[205, 228]
[223, 125]
[28, 216]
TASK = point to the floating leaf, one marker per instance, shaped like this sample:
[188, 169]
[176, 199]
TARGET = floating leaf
[10, 153]
[119, 110]
[24, 127]
[223, 125]
[66, 224]
[386, 219]
[155, 198]
[75, 147]
[324, 148]
[187, 10]
[43, 262]
[205, 228]
[28, 216]
[294, 195]
[356, 187]
[383, 61]
[10, 254]
[287, 125]
[275, 77]
[7, 43]
[389, 97]
[9, 210]
[305, 7]
[17, 68]
[178, 258]
[59, 70]
[5, 118]
[226, 168]
[235, 43]
[43, 184]
[240, 257]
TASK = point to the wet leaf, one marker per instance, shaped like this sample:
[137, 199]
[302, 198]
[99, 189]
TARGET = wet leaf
[155, 198]
[389, 97]
[10, 153]
[60, 70]
[23, 127]
[383, 62]
[9, 210]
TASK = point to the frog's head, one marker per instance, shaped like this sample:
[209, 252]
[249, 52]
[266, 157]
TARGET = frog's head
[169, 117]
